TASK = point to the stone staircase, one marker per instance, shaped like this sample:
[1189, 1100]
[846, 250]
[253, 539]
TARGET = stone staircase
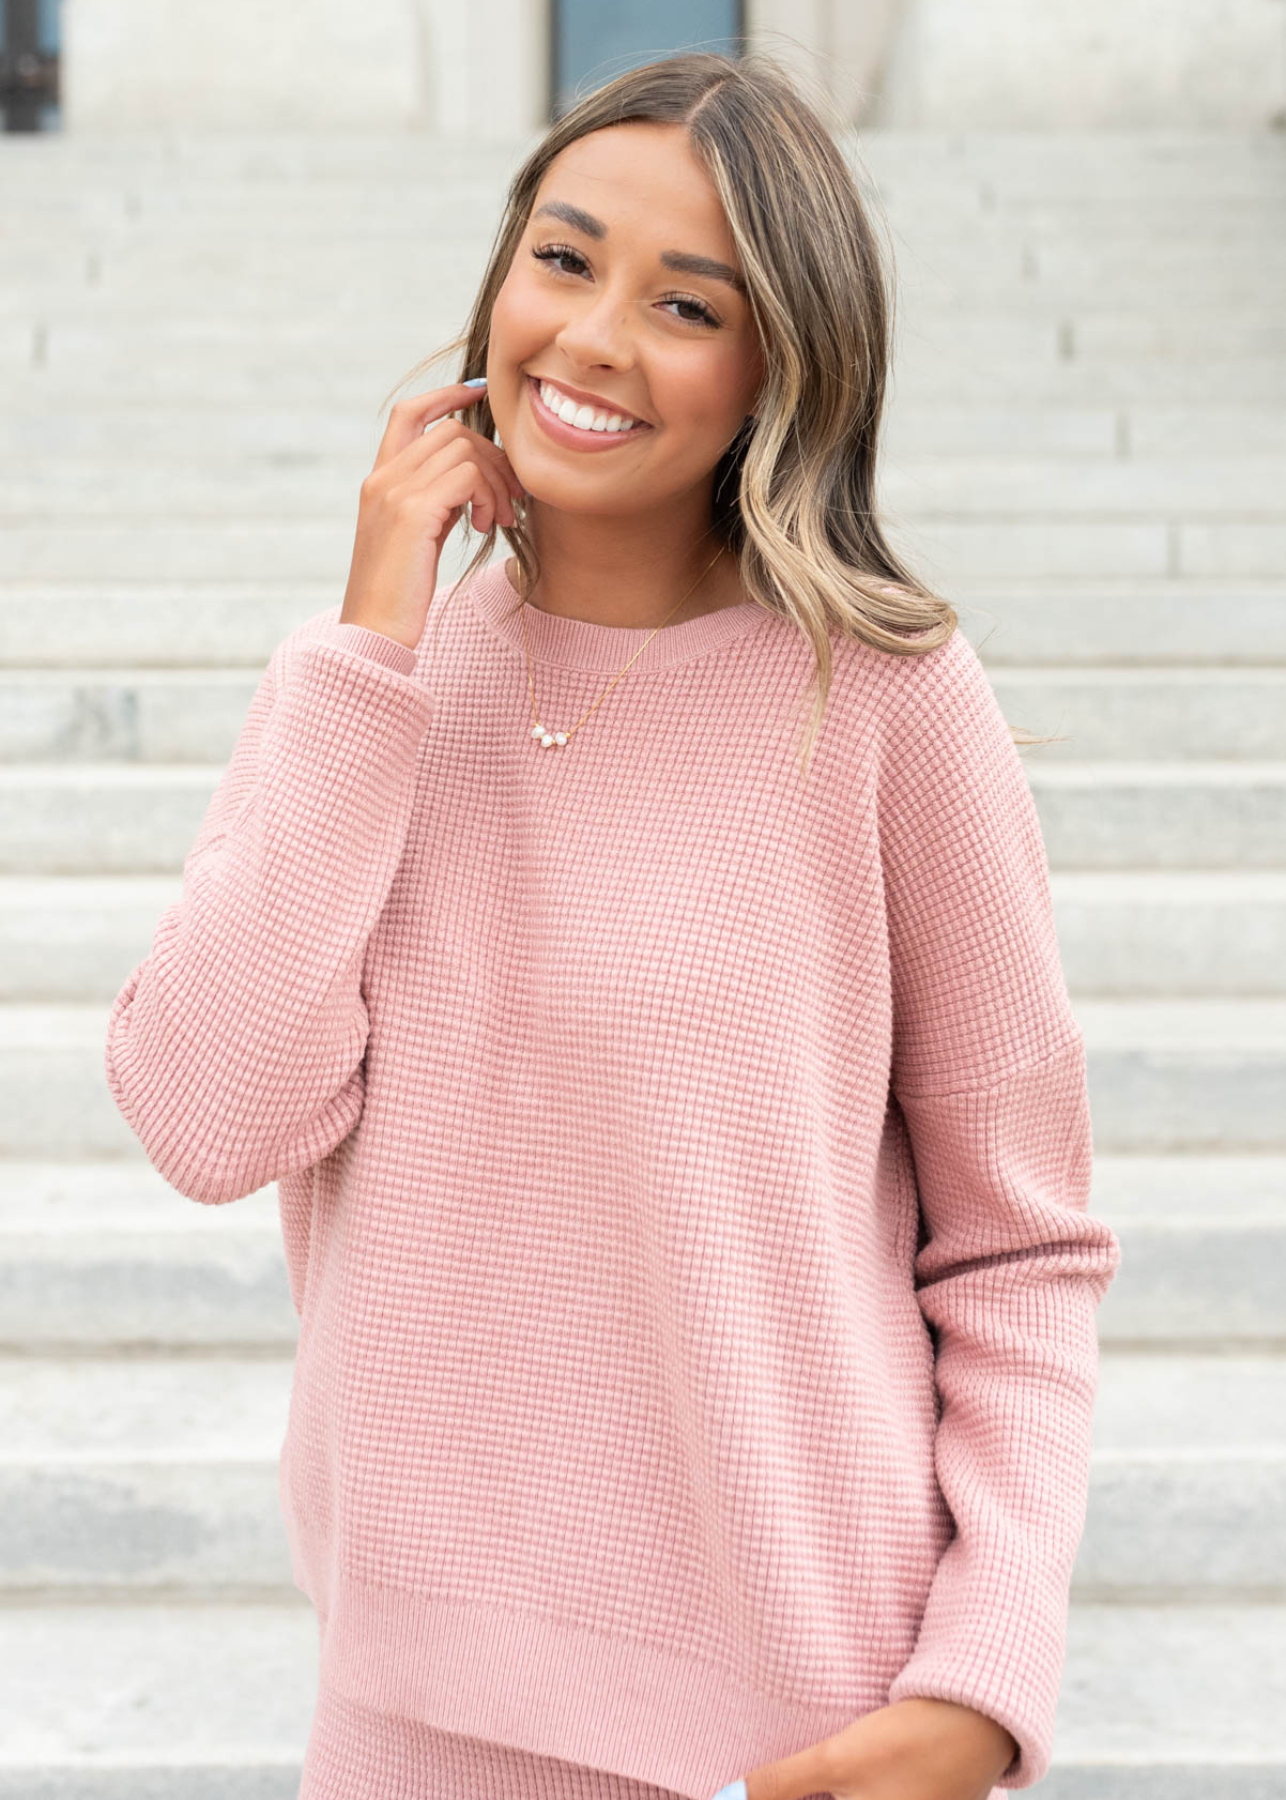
[1086, 450]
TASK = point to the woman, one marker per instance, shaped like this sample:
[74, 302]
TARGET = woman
[683, 1150]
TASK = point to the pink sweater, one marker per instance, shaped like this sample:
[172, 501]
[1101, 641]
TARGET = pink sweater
[683, 1169]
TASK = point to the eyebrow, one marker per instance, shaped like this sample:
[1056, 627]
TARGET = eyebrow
[684, 261]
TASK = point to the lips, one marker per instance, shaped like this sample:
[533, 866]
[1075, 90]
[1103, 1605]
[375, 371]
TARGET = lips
[594, 400]
[572, 437]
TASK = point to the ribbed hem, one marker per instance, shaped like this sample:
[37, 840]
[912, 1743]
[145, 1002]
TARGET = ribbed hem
[551, 1689]
[581, 644]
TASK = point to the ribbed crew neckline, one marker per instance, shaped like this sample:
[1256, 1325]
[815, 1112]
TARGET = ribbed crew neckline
[583, 644]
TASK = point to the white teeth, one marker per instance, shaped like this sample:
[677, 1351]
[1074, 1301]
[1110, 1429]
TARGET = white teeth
[585, 418]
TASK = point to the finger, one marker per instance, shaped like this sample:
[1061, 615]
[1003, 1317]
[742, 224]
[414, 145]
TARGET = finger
[489, 495]
[467, 484]
[807, 1771]
[430, 444]
[493, 493]
[422, 464]
[438, 508]
[409, 417]
[511, 478]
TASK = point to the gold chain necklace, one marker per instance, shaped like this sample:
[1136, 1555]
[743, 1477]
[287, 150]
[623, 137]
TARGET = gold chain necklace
[542, 733]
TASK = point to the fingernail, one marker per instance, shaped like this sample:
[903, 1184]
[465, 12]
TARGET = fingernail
[476, 381]
[735, 1790]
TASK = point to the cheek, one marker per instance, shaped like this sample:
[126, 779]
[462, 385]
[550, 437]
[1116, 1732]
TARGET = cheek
[519, 320]
[504, 315]
[702, 396]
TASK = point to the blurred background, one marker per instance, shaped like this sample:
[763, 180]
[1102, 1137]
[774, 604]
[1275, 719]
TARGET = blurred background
[226, 232]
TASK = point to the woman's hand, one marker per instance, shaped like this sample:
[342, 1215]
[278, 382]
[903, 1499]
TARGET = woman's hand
[913, 1750]
[416, 491]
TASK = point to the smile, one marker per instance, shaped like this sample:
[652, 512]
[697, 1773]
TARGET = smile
[578, 437]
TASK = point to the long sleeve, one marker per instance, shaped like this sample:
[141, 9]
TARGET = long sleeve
[235, 1048]
[989, 1072]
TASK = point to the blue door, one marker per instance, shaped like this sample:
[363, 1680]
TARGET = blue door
[592, 42]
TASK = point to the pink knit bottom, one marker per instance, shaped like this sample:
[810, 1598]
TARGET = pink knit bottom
[355, 1753]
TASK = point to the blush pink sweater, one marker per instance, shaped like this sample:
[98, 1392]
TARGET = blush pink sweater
[683, 1166]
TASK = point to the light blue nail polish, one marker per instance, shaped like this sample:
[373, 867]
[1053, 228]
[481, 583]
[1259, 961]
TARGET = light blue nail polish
[476, 381]
[735, 1790]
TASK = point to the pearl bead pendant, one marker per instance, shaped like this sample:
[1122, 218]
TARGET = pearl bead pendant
[548, 738]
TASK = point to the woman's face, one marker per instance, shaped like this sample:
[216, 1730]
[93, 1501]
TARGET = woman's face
[590, 305]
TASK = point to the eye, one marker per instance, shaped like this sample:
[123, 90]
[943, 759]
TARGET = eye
[554, 253]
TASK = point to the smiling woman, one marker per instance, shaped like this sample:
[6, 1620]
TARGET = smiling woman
[683, 1158]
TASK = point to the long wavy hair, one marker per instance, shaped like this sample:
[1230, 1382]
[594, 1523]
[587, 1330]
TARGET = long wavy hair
[794, 493]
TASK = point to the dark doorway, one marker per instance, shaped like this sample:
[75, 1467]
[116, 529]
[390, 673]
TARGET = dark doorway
[29, 44]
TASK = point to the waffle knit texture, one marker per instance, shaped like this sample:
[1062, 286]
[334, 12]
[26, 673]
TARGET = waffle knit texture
[683, 1165]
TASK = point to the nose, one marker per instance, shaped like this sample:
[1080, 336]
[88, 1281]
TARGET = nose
[597, 333]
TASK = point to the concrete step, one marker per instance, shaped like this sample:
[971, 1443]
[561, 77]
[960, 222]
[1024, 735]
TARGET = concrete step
[1177, 1076]
[1087, 217]
[1079, 621]
[309, 431]
[143, 275]
[102, 1255]
[1072, 156]
[1140, 815]
[142, 483]
[361, 370]
[948, 195]
[948, 199]
[1174, 715]
[145, 1474]
[120, 818]
[189, 623]
[197, 621]
[1164, 1702]
[159, 1475]
[1147, 348]
[290, 548]
[1166, 934]
[1067, 161]
[142, 716]
[961, 549]
[1165, 1075]
[944, 550]
[135, 281]
[1105, 437]
[1203, 1251]
[164, 1700]
[1004, 487]
[1046, 166]
[941, 368]
[1169, 934]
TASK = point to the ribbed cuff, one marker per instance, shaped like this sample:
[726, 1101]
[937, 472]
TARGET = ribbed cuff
[367, 642]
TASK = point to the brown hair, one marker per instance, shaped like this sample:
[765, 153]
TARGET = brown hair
[794, 494]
